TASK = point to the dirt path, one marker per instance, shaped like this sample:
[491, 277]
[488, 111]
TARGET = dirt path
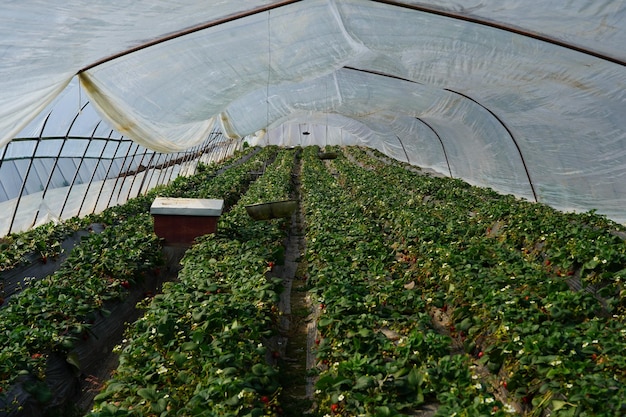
[297, 395]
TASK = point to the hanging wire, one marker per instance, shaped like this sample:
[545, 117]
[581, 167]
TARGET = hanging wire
[327, 109]
[269, 72]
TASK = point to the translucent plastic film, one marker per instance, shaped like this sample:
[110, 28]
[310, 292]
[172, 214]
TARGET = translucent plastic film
[525, 97]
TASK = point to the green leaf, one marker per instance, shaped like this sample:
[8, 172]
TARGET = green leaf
[415, 378]
[149, 394]
[73, 360]
[187, 346]
[558, 404]
[179, 358]
[363, 382]
[325, 321]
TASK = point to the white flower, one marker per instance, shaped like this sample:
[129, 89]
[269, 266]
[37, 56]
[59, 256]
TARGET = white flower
[489, 400]
[161, 370]
[585, 344]
[341, 397]
[478, 386]
[508, 408]
[568, 386]
[555, 362]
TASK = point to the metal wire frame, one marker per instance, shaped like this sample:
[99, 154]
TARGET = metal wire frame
[156, 166]
[164, 169]
[4, 152]
[406, 155]
[93, 174]
[117, 148]
[519, 150]
[120, 173]
[80, 164]
[136, 174]
[30, 165]
[56, 160]
[504, 27]
[445, 154]
[169, 179]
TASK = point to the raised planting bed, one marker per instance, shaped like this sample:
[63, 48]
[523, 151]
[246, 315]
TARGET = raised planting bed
[60, 329]
[497, 272]
[204, 346]
[34, 267]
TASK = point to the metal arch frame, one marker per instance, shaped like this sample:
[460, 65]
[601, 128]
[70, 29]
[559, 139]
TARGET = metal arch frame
[106, 175]
[156, 166]
[445, 154]
[93, 174]
[189, 31]
[143, 180]
[506, 28]
[56, 160]
[30, 165]
[174, 163]
[164, 167]
[117, 178]
[406, 155]
[519, 150]
[419, 8]
[132, 182]
[80, 164]
[4, 153]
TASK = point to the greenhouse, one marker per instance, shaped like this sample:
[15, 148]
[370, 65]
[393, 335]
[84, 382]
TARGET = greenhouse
[313, 208]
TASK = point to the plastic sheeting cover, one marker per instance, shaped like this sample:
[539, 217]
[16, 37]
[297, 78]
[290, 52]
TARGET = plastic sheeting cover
[525, 97]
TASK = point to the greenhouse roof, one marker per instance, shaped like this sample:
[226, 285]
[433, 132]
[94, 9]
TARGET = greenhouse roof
[527, 98]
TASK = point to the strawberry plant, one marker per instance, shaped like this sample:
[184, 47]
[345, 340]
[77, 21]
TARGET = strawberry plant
[202, 345]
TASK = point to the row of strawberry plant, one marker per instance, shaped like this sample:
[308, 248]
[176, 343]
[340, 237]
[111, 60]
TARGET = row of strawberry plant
[200, 348]
[378, 350]
[586, 245]
[52, 314]
[45, 241]
[546, 345]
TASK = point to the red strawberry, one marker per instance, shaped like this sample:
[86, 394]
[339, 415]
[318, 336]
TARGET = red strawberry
[125, 284]
[480, 354]
[265, 399]
[334, 407]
